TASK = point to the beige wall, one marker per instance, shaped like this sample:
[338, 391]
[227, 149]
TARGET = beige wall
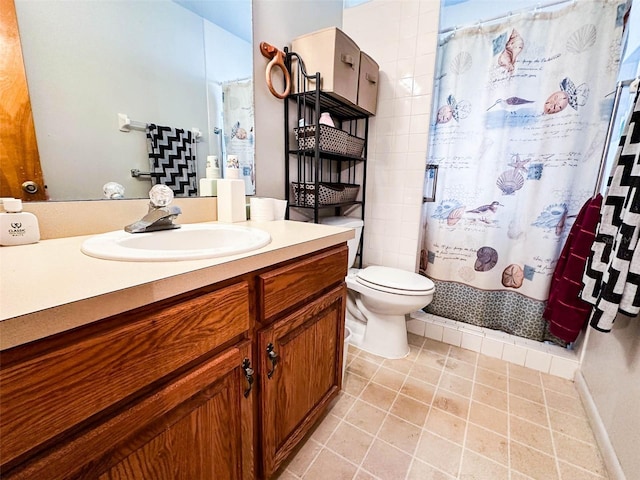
[611, 370]
[278, 22]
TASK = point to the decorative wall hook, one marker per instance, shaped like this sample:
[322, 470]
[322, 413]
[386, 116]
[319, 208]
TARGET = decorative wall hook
[277, 60]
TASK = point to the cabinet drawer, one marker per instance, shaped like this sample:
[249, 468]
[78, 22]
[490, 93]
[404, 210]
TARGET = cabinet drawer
[368, 83]
[297, 282]
[43, 396]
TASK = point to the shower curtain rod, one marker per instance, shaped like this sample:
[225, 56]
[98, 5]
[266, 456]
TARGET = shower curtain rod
[540, 6]
[605, 152]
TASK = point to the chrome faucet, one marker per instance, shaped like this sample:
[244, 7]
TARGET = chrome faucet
[160, 215]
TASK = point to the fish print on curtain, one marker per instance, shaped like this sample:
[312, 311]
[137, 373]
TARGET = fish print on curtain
[520, 117]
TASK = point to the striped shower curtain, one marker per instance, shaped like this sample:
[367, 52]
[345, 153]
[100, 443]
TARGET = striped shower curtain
[520, 117]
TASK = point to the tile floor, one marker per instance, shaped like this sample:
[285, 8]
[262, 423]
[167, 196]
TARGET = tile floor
[448, 413]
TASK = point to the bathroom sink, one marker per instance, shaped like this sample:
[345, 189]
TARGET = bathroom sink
[190, 242]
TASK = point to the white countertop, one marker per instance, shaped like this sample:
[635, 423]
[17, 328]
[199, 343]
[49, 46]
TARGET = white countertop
[51, 286]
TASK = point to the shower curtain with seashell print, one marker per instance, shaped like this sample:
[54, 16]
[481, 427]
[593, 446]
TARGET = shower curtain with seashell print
[239, 122]
[520, 116]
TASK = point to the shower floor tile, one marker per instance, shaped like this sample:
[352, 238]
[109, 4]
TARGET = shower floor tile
[444, 413]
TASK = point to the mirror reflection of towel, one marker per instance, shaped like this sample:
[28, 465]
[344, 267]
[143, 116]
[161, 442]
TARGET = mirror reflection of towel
[172, 159]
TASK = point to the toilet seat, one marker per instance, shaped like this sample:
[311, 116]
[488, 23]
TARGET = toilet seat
[393, 280]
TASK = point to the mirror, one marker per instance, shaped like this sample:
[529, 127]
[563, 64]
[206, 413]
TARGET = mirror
[162, 62]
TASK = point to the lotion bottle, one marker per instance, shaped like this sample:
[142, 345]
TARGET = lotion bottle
[209, 185]
[17, 227]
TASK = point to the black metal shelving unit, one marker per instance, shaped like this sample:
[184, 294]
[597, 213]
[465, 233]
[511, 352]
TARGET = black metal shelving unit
[314, 165]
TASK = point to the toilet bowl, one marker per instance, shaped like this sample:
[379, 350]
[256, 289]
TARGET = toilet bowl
[379, 298]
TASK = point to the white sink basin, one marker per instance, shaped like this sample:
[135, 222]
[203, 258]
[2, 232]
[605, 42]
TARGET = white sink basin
[190, 242]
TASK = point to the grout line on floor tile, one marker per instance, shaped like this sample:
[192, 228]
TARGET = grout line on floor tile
[356, 398]
[439, 388]
[351, 462]
[426, 418]
[553, 440]
[315, 457]
[375, 436]
[509, 419]
[578, 467]
[466, 424]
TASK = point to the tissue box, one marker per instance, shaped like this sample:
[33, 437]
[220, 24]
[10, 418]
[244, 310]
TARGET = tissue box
[231, 201]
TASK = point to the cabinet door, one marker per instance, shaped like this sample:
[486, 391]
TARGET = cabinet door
[202, 438]
[199, 426]
[300, 364]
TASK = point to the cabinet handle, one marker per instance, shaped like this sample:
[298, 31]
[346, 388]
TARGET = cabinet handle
[348, 59]
[248, 373]
[370, 78]
[273, 356]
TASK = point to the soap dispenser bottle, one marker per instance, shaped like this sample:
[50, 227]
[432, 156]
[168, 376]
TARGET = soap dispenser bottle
[17, 227]
[209, 185]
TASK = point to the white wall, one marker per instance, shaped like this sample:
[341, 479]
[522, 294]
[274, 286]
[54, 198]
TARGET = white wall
[146, 62]
[611, 362]
[611, 370]
[401, 35]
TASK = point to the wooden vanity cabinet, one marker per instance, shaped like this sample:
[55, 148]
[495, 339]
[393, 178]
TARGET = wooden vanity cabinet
[154, 393]
[162, 392]
[300, 349]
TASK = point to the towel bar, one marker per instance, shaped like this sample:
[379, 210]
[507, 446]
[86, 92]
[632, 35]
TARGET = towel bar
[125, 124]
[135, 173]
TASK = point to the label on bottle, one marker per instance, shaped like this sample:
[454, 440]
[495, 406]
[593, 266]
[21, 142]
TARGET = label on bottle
[16, 229]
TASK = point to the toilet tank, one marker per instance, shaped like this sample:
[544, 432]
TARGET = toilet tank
[348, 222]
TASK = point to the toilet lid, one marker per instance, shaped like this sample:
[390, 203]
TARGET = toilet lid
[394, 280]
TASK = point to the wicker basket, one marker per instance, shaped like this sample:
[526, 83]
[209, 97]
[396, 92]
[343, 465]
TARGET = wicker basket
[328, 193]
[354, 146]
[331, 139]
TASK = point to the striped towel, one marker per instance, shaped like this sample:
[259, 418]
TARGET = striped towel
[172, 159]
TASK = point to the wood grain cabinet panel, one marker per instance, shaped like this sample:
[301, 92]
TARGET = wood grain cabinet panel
[198, 426]
[296, 390]
[285, 287]
[200, 439]
[42, 397]
[164, 392]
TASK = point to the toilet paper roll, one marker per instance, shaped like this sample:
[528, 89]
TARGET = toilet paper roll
[261, 209]
[279, 209]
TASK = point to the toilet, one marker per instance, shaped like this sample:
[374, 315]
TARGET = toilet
[379, 298]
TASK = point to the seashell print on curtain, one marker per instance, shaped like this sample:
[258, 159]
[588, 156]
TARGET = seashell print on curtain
[519, 112]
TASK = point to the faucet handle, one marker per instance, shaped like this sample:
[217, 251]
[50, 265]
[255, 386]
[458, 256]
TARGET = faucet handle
[160, 196]
[113, 190]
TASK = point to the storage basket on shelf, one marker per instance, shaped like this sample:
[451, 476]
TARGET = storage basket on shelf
[354, 146]
[328, 193]
[331, 139]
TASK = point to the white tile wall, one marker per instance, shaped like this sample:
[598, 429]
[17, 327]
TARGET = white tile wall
[472, 341]
[539, 356]
[514, 354]
[401, 35]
